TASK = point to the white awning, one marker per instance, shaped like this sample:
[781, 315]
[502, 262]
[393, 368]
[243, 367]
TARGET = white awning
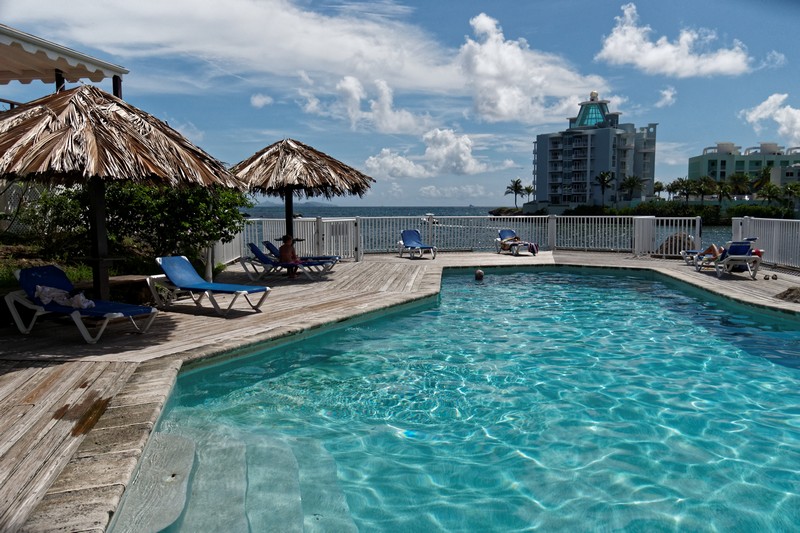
[26, 58]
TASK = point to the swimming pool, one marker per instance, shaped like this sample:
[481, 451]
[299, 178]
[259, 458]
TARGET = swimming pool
[556, 399]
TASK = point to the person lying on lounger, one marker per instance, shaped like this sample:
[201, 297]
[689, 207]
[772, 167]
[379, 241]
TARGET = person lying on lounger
[712, 252]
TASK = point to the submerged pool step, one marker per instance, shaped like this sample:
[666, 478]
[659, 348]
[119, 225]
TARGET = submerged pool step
[158, 495]
[217, 494]
[273, 488]
[325, 507]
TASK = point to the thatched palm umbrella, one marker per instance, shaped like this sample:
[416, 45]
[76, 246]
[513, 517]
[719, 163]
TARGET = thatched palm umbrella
[87, 135]
[288, 168]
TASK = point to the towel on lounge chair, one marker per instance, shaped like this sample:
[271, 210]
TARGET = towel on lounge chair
[507, 240]
[180, 277]
[48, 290]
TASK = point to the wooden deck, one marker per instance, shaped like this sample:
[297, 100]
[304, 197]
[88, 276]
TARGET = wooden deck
[74, 418]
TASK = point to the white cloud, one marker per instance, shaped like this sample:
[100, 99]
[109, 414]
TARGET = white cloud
[786, 117]
[674, 154]
[395, 190]
[389, 120]
[512, 82]
[257, 44]
[453, 193]
[186, 128]
[689, 55]
[267, 39]
[382, 116]
[311, 103]
[390, 164]
[260, 100]
[351, 93]
[445, 153]
[668, 95]
[449, 153]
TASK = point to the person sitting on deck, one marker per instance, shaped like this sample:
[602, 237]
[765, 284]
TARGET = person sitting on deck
[288, 255]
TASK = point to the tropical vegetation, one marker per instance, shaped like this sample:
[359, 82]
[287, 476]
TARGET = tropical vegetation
[685, 197]
[142, 221]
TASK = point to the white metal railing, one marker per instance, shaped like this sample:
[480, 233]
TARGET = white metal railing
[658, 236]
[353, 237]
[780, 239]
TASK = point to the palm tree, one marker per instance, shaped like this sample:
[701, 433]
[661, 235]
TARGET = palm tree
[791, 191]
[529, 191]
[763, 178]
[683, 187]
[516, 189]
[770, 192]
[705, 185]
[630, 184]
[604, 179]
[723, 191]
[740, 184]
[658, 188]
[673, 188]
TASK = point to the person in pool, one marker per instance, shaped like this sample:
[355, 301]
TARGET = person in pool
[288, 255]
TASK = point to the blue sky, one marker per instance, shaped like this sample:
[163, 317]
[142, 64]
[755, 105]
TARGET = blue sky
[439, 101]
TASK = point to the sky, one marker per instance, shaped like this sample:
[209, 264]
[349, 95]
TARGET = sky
[439, 101]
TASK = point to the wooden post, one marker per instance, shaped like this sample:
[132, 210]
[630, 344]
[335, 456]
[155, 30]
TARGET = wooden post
[97, 225]
[117, 86]
[288, 198]
[60, 81]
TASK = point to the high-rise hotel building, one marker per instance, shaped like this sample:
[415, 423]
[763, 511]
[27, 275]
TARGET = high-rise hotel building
[565, 164]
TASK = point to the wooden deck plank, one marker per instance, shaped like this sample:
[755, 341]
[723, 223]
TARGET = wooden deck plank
[52, 368]
[42, 451]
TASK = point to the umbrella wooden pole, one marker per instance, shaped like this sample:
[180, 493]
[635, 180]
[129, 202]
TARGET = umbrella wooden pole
[289, 200]
[97, 224]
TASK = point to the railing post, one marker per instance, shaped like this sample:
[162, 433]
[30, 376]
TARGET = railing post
[698, 230]
[643, 235]
[736, 228]
[551, 231]
[319, 237]
[358, 239]
[429, 236]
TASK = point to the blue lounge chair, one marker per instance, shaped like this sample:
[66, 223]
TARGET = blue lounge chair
[180, 278]
[327, 260]
[54, 281]
[736, 257]
[261, 264]
[507, 240]
[411, 240]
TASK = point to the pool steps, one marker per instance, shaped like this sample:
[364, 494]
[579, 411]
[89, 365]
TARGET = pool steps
[278, 483]
[220, 465]
[158, 496]
[273, 487]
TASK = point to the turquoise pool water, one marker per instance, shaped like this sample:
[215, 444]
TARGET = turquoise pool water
[549, 399]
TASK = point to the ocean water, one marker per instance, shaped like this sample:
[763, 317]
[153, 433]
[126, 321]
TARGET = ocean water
[325, 211]
[551, 400]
